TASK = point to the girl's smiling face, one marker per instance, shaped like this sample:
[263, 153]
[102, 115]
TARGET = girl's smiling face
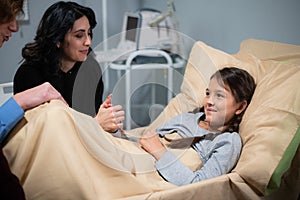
[220, 105]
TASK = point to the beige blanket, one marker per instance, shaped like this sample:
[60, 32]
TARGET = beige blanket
[72, 157]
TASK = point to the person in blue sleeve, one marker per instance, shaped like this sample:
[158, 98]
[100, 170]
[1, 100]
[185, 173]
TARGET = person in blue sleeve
[213, 131]
[13, 109]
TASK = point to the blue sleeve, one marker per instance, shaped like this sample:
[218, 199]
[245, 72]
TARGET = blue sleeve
[10, 115]
[223, 156]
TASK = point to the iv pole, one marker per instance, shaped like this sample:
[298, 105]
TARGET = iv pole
[105, 40]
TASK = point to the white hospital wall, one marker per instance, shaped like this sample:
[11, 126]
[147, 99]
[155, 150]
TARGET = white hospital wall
[222, 24]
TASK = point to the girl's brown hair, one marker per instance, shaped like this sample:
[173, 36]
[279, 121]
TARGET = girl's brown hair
[242, 86]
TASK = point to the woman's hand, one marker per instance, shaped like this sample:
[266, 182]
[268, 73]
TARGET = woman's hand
[110, 117]
[150, 142]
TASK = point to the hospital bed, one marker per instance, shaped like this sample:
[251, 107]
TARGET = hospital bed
[269, 166]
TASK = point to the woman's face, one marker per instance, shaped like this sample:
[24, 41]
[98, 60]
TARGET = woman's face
[76, 44]
[220, 105]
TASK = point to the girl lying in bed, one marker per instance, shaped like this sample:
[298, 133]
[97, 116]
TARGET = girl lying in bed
[212, 132]
[59, 153]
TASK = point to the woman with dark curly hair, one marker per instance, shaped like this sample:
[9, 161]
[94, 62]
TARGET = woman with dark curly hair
[61, 54]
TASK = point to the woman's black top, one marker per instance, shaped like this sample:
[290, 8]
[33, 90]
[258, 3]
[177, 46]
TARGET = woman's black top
[74, 85]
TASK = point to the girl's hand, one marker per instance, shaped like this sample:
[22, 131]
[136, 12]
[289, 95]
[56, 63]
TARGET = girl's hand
[151, 143]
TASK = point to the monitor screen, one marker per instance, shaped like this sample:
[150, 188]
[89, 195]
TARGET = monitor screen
[131, 28]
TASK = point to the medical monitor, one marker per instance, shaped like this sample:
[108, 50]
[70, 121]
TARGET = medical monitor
[131, 25]
[131, 28]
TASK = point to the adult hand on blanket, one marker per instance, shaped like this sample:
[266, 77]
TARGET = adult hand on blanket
[110, 117]
[37, 95]
[150, 142]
